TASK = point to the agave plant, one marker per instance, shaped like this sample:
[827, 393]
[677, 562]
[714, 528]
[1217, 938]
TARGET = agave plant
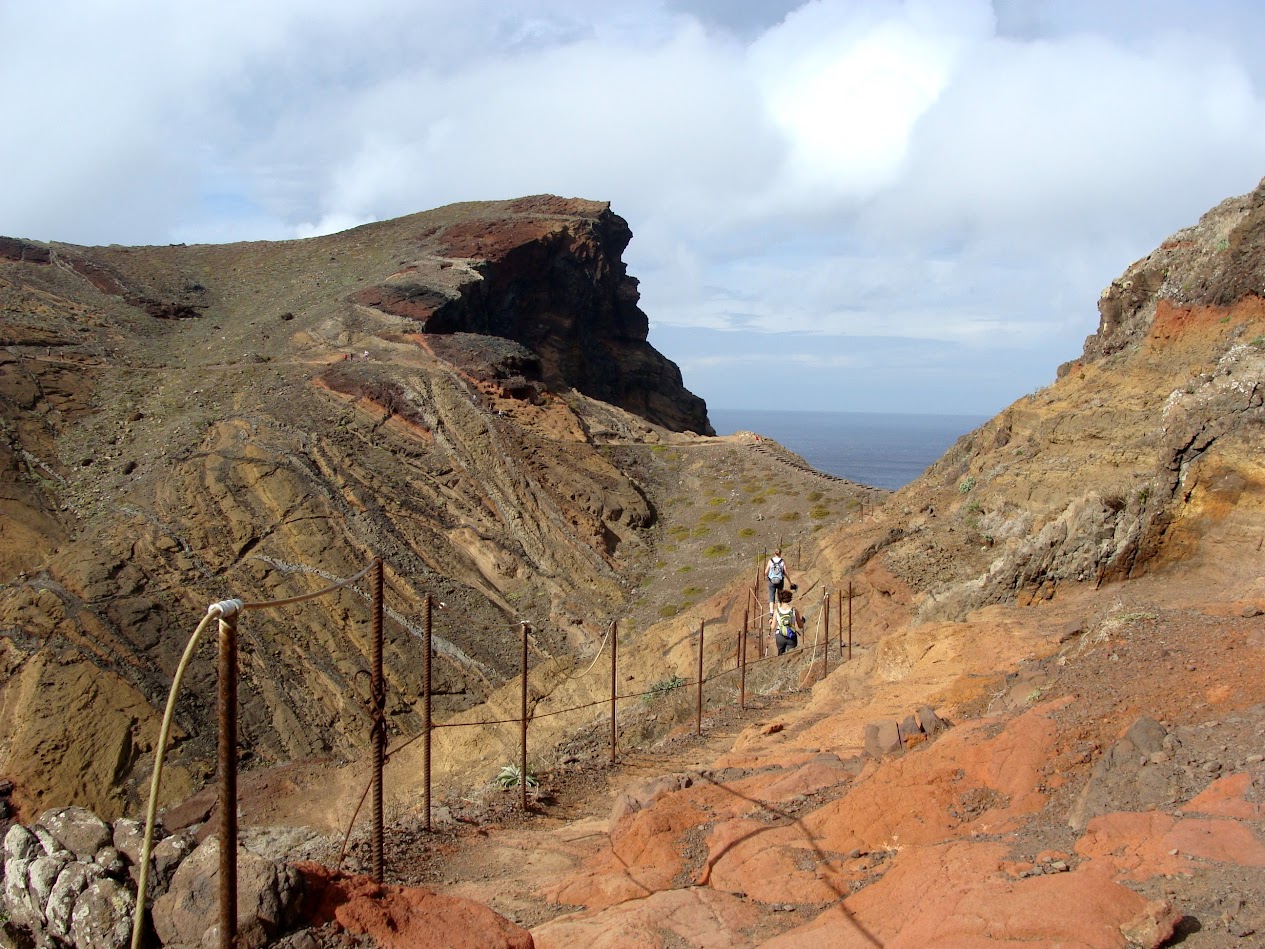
[511, 776]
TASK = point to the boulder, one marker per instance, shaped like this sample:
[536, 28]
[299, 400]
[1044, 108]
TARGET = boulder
[78, 830]
[642, 794]
[128, 837]
[20, 844]
[931, 723]
[17, 895]
[40, 879]
[267, 893]
[882, 738]
[1134, 774]
[103, 914]
[76, 877]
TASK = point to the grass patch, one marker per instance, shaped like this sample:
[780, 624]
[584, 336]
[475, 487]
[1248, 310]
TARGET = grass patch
[716, 502]
[692, 591]
[789, 516]
[747, 532]
[818, 513]
[680, 532]
[701, 531]
[716, 550]
[669, 610]
[684, 568]
[716, 517]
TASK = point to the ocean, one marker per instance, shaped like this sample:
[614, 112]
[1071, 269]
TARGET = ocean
[883, 450]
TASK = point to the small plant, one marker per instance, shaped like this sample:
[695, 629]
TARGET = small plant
[692, 591]
[973, 506]
[659, 449]
[680, 531]
[715, 502]
[814, 496]
[965, 485]
[1259, 342]
[684, 568]
[511, 776]
[702, 530]
[716, 550]
[669, 610]
[663, 687]
[789, 516]
[1223, 244]
[747, 532]
[818, 513]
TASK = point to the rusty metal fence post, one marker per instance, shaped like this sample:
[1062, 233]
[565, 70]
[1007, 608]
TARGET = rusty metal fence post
[825, 653]
[849, 620]
[698, 718]
[227, 749]
[377, 716]
[614, 671]
[426, 719]
[522, 750]
[742, 662]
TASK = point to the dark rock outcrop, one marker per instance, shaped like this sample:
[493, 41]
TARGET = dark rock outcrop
[547, 274]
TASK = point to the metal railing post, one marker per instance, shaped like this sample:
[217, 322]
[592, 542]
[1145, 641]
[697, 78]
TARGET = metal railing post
[849, 620]
[614, 670]
[228, 779]
[825, 653]
[522, 751]
[426, 719]
[698, 719]
[377, 716]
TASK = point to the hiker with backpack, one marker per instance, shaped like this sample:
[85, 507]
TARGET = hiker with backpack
[787, 623]
[775, 570]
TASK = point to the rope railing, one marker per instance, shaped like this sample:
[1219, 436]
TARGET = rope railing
[226, 612]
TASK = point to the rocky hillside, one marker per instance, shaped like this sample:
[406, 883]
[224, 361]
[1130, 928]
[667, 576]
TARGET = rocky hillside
[1050, 733]
[467, 393]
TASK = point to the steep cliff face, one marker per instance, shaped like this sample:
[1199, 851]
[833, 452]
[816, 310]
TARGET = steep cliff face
[548, 275]
[179, 424]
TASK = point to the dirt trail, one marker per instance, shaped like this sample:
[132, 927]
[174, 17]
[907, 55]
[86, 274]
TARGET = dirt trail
[507, 860]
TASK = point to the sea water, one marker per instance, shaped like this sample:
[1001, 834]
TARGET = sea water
[884, 450]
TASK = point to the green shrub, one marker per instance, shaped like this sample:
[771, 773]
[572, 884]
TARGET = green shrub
[663, 687]
[818, 513]
[965, 485]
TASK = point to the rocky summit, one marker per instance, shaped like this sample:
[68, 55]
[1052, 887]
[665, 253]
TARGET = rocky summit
[1045, 725]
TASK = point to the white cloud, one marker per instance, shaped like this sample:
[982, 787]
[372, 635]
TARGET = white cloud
[957, 175]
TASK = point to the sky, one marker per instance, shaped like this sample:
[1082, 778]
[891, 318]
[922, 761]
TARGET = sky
[837, 205]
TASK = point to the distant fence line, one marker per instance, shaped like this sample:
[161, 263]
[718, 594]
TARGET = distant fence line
[227, 612]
